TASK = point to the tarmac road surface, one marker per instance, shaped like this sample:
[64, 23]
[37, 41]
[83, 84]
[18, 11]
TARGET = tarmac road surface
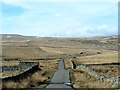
[61, 77]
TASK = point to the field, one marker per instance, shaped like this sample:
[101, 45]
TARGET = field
[47, 51]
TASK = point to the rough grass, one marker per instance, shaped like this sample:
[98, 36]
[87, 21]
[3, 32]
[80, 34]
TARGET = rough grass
[32, 81]
[107, 70]
[24, 53]
[83, 80]
[10, 63]
[67, 64]
[47, 47]
[9, 73]
[109, 57]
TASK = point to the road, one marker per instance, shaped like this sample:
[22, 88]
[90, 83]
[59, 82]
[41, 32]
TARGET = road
[60, 77]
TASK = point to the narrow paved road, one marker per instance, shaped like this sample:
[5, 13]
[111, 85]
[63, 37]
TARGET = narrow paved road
[60, 77]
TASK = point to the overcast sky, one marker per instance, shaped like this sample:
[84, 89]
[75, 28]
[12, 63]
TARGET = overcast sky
[73, 18]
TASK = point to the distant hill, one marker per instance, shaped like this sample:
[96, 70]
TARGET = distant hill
[15, 37]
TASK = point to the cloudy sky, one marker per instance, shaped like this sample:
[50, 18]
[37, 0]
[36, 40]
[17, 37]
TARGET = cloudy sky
[56, 18]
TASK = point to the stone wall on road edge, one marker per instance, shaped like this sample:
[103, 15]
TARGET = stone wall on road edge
[114, 80]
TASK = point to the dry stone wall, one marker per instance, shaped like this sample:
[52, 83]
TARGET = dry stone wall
[25, 68]
[114, 80]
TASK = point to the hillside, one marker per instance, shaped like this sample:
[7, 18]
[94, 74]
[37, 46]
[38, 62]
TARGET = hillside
[48, 50]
